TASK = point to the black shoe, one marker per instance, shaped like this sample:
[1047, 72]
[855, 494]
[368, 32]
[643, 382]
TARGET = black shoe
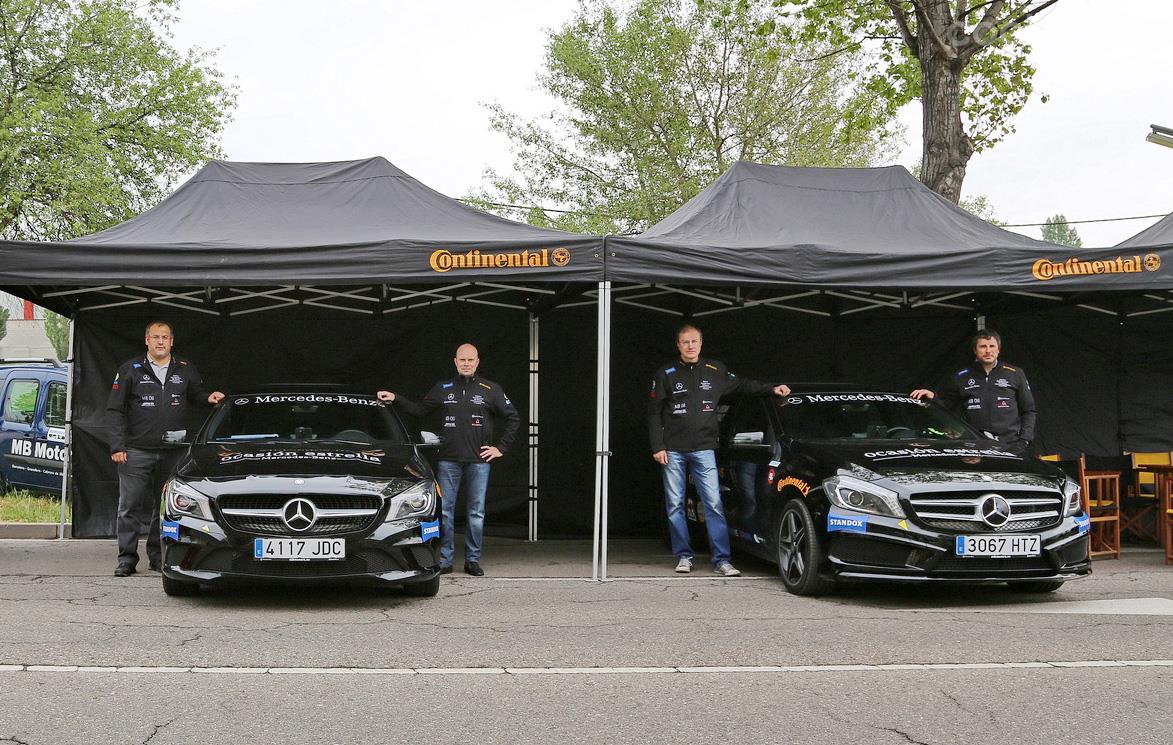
[473, 568]
[155, 565]
[124, 569]
[446, 570]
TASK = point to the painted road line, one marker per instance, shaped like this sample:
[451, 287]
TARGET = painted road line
[678, 670]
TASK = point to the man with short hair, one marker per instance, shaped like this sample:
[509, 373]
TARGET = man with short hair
[472, 407]
[147, 416]
[682, 421]
[997, 396]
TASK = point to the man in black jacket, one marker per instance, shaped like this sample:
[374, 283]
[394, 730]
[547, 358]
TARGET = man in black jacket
[682, 421]
[997, 396]
[468, 443]
[147, 417]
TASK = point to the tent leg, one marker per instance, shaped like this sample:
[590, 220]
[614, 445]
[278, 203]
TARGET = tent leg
[533, 427]
[602, 432]
[68, 431]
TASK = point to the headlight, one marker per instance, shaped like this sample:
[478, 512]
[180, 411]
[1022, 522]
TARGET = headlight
[184, 500]
[1072, 500]
[861, 496]
[418, 499]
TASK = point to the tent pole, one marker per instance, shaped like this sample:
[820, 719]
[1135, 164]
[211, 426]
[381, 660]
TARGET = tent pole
[68, 431]
[602, 432]
[533, 427]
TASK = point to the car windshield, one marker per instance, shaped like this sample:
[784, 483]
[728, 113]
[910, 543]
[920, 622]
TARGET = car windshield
[310, 417]
[870, 416]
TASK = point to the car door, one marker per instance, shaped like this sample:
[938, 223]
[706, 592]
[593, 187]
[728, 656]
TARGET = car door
[18, 410]
[748, 445]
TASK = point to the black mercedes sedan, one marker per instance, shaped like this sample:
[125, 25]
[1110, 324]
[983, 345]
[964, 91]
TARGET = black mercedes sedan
[839, 484]
[302, 485]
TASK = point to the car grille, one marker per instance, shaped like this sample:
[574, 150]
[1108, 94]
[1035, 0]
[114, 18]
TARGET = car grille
[993, 566]
[960, 512]
[336, 513]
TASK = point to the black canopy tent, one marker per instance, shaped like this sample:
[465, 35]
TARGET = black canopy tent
[867, 275]
[347, 263]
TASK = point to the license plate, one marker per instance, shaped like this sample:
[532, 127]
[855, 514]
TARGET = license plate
[299, 549]
[998, 546]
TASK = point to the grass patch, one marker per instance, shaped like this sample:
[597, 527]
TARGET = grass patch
[31, 507]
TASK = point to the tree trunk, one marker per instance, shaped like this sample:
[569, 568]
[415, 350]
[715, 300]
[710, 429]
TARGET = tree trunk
[947, 148]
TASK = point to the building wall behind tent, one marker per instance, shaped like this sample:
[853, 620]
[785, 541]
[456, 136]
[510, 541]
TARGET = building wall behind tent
[405, 351]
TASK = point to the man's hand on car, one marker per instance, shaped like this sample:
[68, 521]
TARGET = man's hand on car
[385, 396]
[781, 390]
[920, 393]
[215, 397]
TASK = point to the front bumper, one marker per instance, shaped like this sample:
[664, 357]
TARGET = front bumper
[203, 552]
[887, 549]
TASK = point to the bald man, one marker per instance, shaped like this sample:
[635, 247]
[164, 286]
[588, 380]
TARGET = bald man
[480, 424]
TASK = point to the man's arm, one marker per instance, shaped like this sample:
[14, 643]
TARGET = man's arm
[656, 404]
[735, 386]
[505, 409]
[116, 414]
[196, 392]
[1027, 413]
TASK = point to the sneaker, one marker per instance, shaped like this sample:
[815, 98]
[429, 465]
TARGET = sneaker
[725, 569]
[684, 566]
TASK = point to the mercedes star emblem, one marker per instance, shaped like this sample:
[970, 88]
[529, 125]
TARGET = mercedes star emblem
[995, 510]
[299, 514]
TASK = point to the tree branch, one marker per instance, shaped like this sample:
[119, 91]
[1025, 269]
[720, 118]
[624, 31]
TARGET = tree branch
[901, 19]
[948, 52]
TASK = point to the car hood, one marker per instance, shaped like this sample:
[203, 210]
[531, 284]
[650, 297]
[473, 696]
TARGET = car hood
[913, 462]
[218, 461]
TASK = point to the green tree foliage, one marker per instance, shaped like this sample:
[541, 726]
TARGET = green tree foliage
[658, 98]
[1056, 230]
[99, 115]
[57, 329]
[961, 58]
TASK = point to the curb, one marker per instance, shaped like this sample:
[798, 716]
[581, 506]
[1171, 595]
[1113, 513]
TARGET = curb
[33, 530]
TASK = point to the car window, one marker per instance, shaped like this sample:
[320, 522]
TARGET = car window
[304, 417]
[873, 416]
[748, 422]
[20, 401]
[55, 405]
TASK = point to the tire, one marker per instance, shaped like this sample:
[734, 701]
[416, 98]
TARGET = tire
[179, 589]
[1046, 585]
[427, 589]
[797, 550]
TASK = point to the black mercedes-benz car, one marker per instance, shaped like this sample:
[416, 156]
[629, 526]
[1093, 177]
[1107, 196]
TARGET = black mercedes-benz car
[304, 485]
[839, 484]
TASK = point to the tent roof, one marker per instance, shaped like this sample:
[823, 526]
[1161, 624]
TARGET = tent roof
[361, 221]
[1158, 234]
[846, 227]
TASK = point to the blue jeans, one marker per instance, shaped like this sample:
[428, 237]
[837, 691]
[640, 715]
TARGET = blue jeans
[451, 475]
[702, 465]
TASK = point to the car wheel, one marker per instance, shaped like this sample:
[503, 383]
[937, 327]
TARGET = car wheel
[426, 589]
[1048, 585]
[178, 588]
[799, 554]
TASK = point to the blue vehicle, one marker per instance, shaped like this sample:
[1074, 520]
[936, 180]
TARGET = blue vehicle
[32, 426]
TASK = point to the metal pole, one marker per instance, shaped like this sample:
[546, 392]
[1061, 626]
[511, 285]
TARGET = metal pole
[533, 427]
[602, 433]
[68, 431]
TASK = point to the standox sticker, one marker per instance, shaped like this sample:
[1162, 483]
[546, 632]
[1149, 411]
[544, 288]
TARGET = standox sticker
[1084, 523]
[428, 531]
[838, 522]
[170, 530]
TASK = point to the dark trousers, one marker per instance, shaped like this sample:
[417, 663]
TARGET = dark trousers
[140, 488]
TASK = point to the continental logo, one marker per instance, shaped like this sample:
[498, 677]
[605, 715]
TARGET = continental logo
[1045, 269]
[803, 487]
[444, 260]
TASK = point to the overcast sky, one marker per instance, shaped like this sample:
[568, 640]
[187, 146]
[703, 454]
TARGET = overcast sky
[406, 80]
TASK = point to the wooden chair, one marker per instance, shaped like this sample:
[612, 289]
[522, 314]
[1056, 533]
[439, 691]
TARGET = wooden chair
[1100, 491]
[1100, 494]
[1141, 515]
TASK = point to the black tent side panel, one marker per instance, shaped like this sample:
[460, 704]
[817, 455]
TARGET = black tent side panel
[405, 351]
[1146, 387]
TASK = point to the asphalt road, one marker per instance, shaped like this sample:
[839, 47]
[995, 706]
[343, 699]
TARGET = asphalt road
[649, 657]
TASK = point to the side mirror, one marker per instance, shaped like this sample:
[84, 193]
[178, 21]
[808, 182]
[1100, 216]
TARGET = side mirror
[429, 443]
